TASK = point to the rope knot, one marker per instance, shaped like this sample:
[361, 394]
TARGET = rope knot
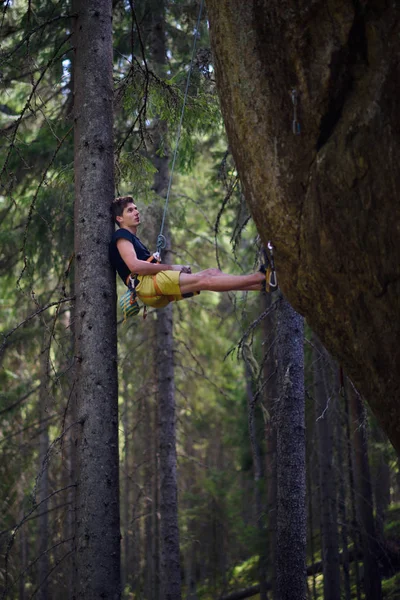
[161, 242]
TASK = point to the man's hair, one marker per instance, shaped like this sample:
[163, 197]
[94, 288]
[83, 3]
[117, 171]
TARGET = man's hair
[118, 206]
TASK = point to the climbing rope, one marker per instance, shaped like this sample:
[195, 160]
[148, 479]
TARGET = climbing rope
[161, 241]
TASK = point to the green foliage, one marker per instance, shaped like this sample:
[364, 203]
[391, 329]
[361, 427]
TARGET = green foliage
[163, 101]
[391, 588]
[246, 573]
[210, 227]
[392, 526]
[139, 172]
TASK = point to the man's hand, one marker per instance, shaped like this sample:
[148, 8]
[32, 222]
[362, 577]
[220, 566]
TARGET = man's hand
[182, 268]
[186, 269]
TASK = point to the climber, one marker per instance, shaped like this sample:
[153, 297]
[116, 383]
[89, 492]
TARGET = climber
[158, 284]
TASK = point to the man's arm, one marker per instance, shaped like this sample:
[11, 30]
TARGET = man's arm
[141, 267]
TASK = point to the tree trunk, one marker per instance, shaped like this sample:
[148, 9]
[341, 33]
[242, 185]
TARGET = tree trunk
[71, 441]
[71, 476]
[43, 480]
[396, 486]
[190, 573]
[291, 517]
[381, 479]
[23, 544]
[325, 413]
[270, 333]
[137, 538]
[156, 508]
[169, 528]
[313, 591]
[309, 95]
[257, 474]
[150, 436]
[365, 514]
[125, 499]
[190, 556]
[342, 508]
[98, 535]
[170, 560]
[352, 490]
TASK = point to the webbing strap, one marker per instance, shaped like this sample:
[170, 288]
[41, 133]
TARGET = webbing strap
[159, 293]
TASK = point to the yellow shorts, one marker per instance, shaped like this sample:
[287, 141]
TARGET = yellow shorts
[159, 290]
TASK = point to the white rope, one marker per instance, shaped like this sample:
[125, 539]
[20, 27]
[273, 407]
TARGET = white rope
[161, 241]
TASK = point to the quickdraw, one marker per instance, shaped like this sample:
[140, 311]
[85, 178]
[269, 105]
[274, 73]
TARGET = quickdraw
[271, 280]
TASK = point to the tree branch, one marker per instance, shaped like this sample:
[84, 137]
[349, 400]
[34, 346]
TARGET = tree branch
[37, 312]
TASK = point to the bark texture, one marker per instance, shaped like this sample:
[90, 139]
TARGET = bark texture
[381, 479]
[342, 500]
[170, 559]
[169, 527]
[325, 419]
[43, 479]
[326, 197]
[365, 508]
[97, 528]
[270, 395]
[150, 435]
[257, 475]
[291, 471]
[352, 490]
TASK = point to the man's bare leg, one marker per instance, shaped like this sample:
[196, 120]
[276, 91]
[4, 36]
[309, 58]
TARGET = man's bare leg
[219, 282]
[214, 272]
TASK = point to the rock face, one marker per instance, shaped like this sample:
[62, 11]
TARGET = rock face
[327, 197]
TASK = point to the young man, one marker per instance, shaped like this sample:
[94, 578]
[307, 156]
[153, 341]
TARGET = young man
[157, 284]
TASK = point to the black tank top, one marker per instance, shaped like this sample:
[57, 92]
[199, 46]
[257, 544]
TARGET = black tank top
[115, 258]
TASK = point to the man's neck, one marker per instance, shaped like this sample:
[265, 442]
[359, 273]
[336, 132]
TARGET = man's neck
[131, 229]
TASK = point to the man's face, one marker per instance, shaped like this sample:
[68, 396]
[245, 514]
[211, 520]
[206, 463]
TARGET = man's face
[130, 217]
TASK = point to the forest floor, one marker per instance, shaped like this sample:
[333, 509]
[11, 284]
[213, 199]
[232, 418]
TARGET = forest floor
[245, 575]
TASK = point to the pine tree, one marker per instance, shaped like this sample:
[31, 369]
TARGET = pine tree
[291, 515]
[325, 417]
[98, 536]
[364, 502]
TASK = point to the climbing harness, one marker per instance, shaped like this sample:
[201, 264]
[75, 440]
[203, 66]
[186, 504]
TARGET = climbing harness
[128, 301]
[295, 123]
[161, 241]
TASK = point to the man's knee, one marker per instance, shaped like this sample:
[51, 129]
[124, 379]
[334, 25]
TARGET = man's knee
[203, 280]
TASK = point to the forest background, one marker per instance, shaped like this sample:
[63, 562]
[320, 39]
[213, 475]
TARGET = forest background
[228, 388]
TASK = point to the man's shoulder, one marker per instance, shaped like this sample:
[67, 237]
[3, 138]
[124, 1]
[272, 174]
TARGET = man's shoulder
[122, 234]
[125, 234]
